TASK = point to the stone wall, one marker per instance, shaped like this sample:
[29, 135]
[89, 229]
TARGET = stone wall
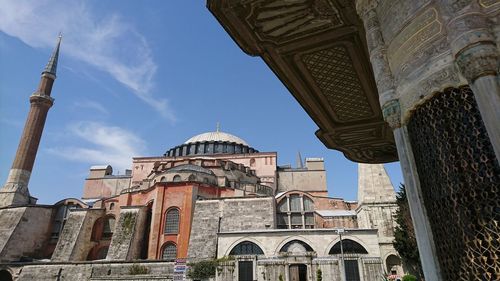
[24, 231]
[247, 214]
[93, 271]
[75, 242]
[129, 232]
[301, 179]
[236, 214]
[203, 238]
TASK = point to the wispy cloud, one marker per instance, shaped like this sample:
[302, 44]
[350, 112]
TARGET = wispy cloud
[102, 144]
[93, 105]
[108, 43]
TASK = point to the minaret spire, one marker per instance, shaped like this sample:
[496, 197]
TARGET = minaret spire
[15, 191]
[51, 67]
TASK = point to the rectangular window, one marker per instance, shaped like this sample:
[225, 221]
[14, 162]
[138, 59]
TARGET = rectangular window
[295, 203]
[309, 219]
[296, 220]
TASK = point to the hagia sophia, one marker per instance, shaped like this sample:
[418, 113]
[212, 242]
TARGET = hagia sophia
[414, 81]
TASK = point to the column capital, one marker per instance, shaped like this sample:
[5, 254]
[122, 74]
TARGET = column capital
[364, 7]
[478, 60]
[391, 111]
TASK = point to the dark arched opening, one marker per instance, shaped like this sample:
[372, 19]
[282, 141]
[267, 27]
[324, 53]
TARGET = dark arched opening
[348, 247]
[5, 275]
[246, 248]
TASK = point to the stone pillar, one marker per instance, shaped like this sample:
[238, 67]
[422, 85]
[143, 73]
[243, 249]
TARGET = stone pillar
[473, 46]
[127, 239]
[392, 115]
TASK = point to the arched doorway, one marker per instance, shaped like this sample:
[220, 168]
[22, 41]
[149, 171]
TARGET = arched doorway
[349, 251]
[5, 275]
[245, 266]
[393, 264]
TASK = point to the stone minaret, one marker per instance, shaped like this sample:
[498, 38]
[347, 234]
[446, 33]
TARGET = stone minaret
[15, 191]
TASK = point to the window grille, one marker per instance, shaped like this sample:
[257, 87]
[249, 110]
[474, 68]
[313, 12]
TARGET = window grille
[246, 248]
[169, 252]
[172, 221]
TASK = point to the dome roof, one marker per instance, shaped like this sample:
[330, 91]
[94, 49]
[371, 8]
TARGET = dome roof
[216, 136]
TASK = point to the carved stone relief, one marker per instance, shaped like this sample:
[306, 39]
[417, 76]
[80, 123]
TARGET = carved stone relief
[279, 21]
[424, 29]
[394, 14]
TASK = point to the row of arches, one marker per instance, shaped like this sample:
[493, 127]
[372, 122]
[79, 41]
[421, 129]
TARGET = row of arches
[347, 246]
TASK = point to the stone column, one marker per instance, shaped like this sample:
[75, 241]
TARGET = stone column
[473, 46]
[392, 115]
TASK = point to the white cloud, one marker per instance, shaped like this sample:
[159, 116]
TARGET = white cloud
[104, 144]
[91, 105]
[108, 43]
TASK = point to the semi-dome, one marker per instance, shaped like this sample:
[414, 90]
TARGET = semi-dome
[216, 136]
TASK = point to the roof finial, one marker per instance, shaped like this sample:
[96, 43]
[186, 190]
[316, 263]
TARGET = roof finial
[52, 65]
[218, 127]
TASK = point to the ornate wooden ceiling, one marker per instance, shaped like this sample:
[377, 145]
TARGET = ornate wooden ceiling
[317, 49]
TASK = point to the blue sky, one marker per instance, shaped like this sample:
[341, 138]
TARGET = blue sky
[136, 78]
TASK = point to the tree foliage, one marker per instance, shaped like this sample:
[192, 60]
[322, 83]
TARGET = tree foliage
[405, 242]
[202, 269]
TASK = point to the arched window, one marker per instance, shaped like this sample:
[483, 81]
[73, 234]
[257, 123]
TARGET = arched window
[192, 178]
[349, 247]
[296, 246]
[295, 211]
[177, 178]
[163, 179]
[252, 162]
[246, 248]
[172, 221]
[111, 206]
[169, 251]
[108, 227]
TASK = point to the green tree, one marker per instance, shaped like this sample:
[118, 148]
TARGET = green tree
[202, 270]
[404, 233]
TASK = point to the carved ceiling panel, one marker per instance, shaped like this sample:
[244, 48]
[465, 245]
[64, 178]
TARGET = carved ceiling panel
[317, 48]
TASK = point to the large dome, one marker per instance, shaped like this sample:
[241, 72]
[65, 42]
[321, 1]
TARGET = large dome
[216, 136]
[211, 143]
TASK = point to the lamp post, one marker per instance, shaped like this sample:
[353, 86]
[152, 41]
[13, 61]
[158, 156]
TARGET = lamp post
[342, 269]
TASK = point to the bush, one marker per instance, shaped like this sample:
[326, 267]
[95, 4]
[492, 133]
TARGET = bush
[319, 275]
[280, 278]
[409, 278]
[202, 269]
